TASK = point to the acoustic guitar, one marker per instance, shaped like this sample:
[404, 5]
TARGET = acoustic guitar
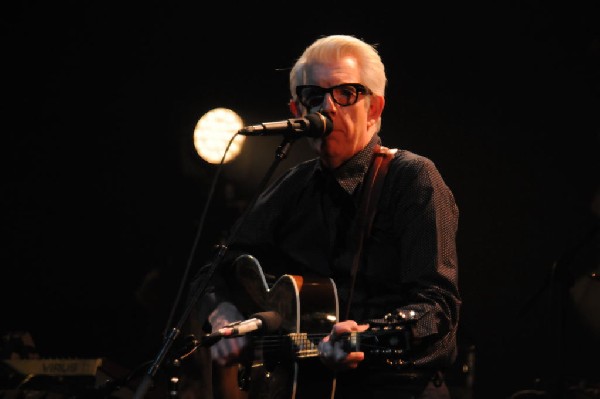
[286, 365]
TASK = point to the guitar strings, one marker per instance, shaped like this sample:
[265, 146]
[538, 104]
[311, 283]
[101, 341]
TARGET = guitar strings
[305, 342]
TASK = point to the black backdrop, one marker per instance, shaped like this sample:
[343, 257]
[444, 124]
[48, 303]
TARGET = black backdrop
[101, 189]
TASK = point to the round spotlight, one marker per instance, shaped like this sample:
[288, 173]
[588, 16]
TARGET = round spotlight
[213, 132]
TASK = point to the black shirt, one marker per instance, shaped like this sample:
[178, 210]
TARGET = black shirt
[301, 225]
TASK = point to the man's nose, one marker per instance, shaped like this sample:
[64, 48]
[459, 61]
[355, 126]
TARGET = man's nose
[328, 104]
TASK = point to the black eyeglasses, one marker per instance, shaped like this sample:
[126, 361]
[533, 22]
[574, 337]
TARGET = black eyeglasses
[345, 94]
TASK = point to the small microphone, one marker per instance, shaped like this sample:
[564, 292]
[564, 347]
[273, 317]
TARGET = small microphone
[263, 322]
[312, 125]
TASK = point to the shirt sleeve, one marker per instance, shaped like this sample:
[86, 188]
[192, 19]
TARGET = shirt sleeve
[425, 225]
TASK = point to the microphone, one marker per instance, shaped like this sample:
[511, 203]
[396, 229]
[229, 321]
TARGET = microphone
[262, 322]
[312, 125]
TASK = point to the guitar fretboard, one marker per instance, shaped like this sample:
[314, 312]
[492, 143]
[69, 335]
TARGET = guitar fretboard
[303, 347]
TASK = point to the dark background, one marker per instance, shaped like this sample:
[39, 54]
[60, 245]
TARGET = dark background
[102, 191]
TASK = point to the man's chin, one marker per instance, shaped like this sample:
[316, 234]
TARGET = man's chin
[316, 144]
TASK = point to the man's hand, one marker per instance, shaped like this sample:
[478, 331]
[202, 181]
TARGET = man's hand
[331, 349]
[226, 351]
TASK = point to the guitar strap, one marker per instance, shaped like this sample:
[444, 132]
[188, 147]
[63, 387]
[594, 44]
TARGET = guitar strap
[369, 198]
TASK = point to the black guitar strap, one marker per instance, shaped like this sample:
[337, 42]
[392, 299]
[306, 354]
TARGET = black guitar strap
[366, 212]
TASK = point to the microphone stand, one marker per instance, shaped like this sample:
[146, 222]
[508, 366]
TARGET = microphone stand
[563, 281]
[280, 155]
[559, 281]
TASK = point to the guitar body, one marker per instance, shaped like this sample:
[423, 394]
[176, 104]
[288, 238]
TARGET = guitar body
[286, 366]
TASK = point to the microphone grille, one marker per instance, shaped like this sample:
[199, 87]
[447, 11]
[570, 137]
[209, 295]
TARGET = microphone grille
[320, 125]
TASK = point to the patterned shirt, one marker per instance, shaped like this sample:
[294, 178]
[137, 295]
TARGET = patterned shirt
[302, 224]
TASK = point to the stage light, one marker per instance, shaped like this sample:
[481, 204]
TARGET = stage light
[213, 132]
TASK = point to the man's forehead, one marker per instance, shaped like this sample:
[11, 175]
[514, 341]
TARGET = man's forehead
[344, 70]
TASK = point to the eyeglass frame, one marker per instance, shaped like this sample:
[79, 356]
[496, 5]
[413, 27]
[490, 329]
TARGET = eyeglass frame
[360, 89]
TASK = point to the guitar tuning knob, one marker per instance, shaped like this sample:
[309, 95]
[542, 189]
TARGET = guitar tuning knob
[410, 315]
[400, 316]
[396, 362]
[388, 317]
[397, 318]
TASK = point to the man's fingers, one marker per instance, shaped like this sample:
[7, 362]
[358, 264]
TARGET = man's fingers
[348, 326]
[355, 357]
[227, 351]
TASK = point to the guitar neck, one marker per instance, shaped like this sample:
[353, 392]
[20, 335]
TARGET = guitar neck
[303, 345]
[388, 343]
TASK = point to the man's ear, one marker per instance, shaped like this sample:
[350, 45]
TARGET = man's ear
[294, 109]
[376, 107]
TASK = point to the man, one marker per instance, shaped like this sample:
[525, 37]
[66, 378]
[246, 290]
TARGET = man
[305, 224]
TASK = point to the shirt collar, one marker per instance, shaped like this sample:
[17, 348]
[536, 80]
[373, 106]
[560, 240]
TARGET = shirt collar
[352, 172]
